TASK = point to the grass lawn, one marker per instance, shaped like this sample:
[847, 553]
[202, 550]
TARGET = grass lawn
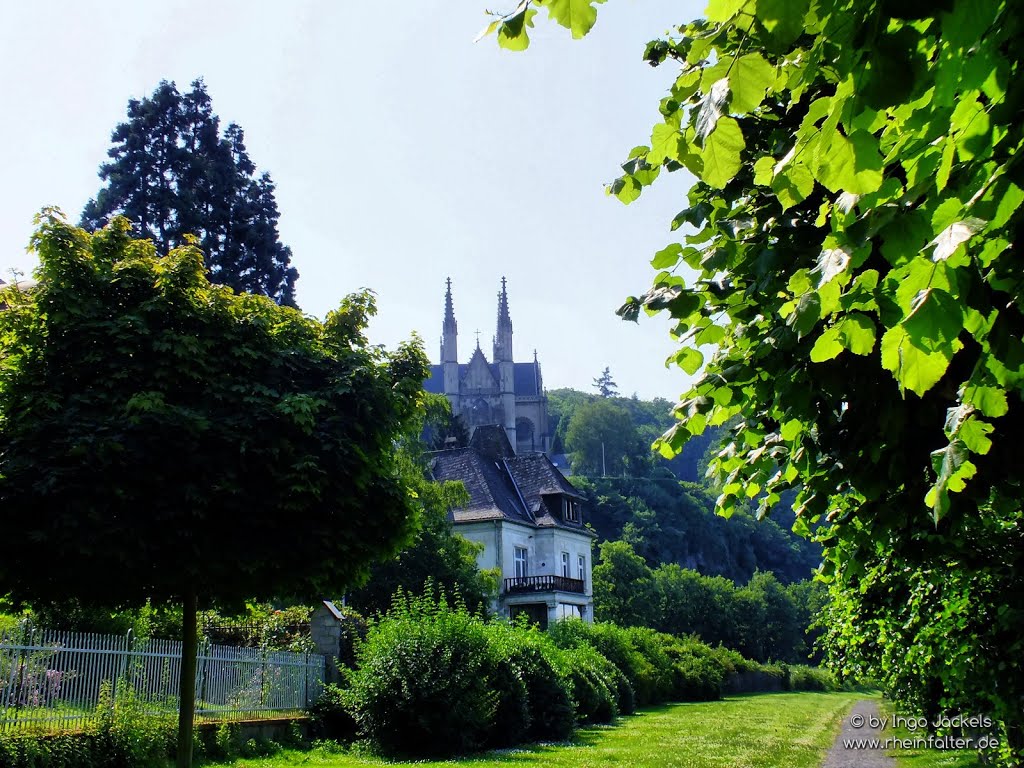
[787, 730]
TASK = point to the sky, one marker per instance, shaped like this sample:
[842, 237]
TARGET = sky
[403, 153]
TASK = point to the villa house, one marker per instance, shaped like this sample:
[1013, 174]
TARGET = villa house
[530, 521]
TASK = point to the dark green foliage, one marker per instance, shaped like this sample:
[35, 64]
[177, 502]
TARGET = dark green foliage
[763, 620]
[804, 678]
[651, 419]
[698, 671]
[601, 440]
[119, 360]
[423, 685]
[174, 174]
[617, 645]
[436, 553]
[667, 521]
[331, 714]
[605, 384]
[130, 382]
[593, 684]
[125, 738]
[624, 588]
[538, 665]
[856, 283]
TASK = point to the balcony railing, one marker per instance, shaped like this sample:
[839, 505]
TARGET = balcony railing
[522, 584]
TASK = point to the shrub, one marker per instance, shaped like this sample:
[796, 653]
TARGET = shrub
[804, 678]
[331, 714]
[616, 645]
[423, 687]
[549, 713]
[698, 672]
[593, 684]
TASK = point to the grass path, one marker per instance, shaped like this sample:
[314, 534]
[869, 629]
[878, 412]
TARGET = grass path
[785, 730]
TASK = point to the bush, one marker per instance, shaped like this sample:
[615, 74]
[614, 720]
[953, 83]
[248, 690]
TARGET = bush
[593, 684]
[424, 683]
[331, 715]
[698, 671]
[804, 678]
[124, 738]
[617, 645]
[549, 713]
[652, 646]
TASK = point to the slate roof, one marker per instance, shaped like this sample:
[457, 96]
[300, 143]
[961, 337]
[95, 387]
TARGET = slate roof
[492, 495]
[503, 486]
[524, 378]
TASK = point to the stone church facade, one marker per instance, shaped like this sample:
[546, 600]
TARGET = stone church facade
[496, 392]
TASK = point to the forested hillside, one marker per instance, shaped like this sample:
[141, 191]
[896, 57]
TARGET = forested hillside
[665, 508]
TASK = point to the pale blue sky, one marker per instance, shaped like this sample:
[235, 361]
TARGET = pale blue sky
[403, 153]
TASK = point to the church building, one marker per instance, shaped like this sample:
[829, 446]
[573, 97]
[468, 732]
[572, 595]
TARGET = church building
[497, 392]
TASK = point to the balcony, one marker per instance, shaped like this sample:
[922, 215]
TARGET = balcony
[526, 584]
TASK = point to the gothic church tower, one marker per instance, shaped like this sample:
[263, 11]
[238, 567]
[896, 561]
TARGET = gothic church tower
[500, 392]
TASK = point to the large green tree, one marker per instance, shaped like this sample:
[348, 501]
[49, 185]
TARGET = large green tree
[175, 174]
[602, 440]
[165, 438]
[849, 255]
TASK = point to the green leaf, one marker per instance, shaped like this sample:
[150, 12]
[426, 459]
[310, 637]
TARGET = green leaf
[806, 315]
[827, 346]
[913, 368]
[975, 434]
[782, 19]
[512, 34]
[857, 333]
[849, 164]
[749, 80]
[578, 16]
[793, 184]
[935, 320]
[854, 332]
[764, 171]
[689, 359]
[991, 401]
[712, 106]
[626, 188]
[723, 10]
[945, 164]
[952, 469]
[667, 257]
[791, 429]
[721, 153]
[664, 144]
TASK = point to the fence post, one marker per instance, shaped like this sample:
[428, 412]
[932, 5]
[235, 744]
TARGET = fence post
[204, 657]
[118, 682]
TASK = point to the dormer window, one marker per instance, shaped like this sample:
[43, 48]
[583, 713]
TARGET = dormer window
[570, 510]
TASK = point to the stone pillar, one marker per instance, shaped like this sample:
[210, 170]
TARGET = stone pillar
[325, 629]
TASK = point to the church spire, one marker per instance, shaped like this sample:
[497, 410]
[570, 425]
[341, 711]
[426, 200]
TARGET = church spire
[503, 338]
[449, 330]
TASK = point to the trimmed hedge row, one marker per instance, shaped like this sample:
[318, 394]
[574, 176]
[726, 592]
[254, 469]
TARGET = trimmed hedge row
[432, 680]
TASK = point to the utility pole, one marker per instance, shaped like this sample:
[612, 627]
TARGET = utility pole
[604, 469]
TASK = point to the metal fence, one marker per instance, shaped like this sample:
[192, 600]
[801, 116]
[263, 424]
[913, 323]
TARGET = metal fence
[58, 681]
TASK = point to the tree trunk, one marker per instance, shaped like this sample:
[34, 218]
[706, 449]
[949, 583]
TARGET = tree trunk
[187, 683]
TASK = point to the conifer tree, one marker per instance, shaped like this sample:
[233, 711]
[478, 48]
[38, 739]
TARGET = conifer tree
[174, 173]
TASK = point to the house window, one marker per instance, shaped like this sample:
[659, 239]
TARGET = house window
[581, 563]
[565, 564]
[569, 611]
[570, 510]
[521, 563]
